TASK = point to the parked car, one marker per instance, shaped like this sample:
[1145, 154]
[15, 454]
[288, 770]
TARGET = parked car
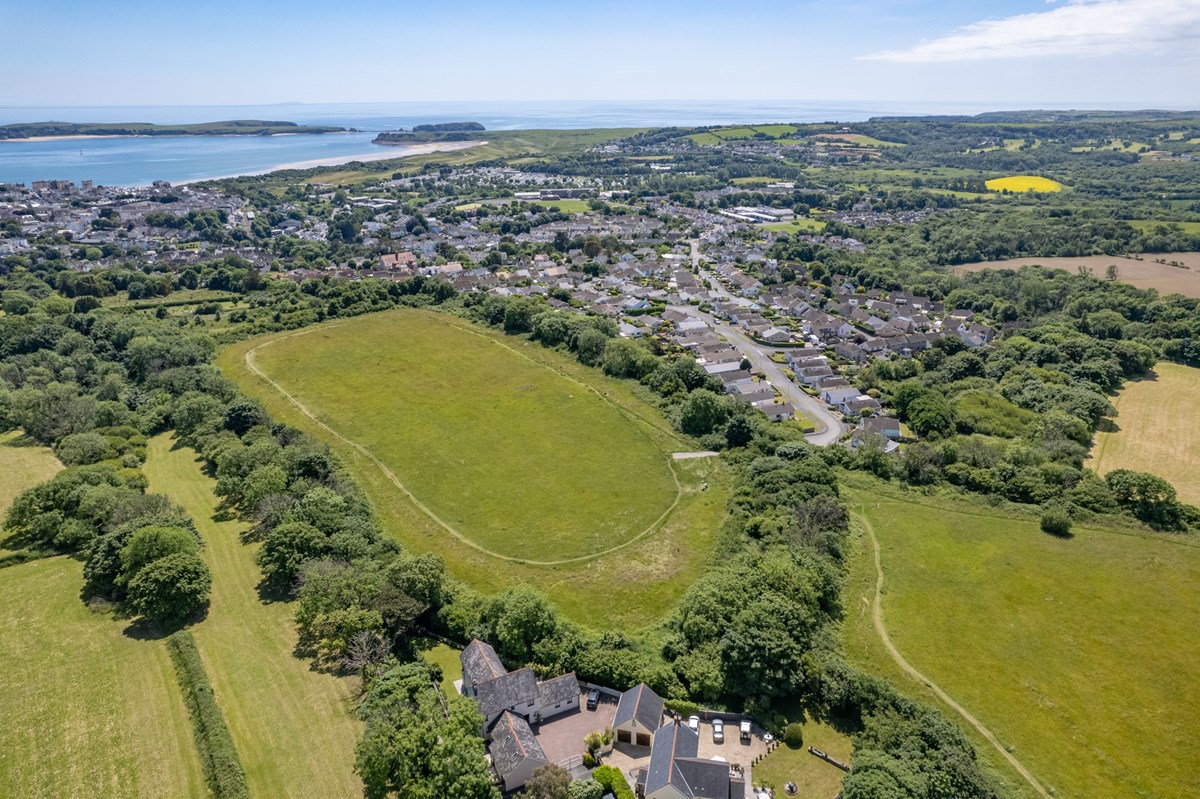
[593, 699]
[694, 723]
[745, 728]
[718, 731]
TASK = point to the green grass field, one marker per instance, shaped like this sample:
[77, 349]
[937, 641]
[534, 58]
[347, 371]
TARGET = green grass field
[23, 464]
[1151, 224]
[1076, 653]
[813, 777]
[801, 225]
[566, 206]
[293, 727]
[494, 432]
[520, 460]
[1158, 430]
[87, 711]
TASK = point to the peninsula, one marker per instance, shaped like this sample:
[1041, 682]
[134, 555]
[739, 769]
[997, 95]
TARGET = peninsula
[235, 127]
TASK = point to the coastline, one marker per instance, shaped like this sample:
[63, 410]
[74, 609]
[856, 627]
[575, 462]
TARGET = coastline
[408, 151]
[82, 136]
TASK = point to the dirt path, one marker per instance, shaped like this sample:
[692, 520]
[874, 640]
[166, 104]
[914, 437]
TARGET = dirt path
[877, 618]
[421, 506]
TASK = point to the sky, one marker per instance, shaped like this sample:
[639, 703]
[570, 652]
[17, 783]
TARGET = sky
[1016, 53]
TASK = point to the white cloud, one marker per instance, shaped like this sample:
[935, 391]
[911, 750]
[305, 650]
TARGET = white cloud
[1079, 28]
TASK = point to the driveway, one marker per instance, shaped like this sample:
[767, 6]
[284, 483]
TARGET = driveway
[562, 736]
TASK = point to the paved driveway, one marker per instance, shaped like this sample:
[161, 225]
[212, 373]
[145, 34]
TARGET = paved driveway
[562, 736]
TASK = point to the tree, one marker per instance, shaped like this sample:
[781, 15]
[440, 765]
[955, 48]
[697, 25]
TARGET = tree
[931, 415]
[1151, 499]
[286, 549]
[550, 781]
[172, 589]
[701, 413]
[585, 789]
[152, 543]
[523, 617]
[739, 432]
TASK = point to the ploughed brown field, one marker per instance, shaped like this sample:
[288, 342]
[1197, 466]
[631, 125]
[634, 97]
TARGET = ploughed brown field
[1144, 273]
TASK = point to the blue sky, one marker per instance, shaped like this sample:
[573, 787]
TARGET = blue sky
[1018, 52]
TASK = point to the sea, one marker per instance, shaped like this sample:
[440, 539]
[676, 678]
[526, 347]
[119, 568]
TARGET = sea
[139, 161]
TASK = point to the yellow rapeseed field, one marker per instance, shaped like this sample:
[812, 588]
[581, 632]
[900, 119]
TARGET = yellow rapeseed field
[1022, 183]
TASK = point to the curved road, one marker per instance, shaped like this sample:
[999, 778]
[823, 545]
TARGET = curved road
[830, 427]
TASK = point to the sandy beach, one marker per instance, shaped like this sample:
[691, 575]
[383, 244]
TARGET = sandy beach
[392, 152]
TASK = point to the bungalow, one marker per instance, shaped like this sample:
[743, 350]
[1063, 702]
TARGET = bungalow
[836, 396]
[776, 335]
[639, 714]
[776, 411]
[975, 335]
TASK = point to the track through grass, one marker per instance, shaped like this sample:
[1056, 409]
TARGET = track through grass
[1073, 652]
[293, 727]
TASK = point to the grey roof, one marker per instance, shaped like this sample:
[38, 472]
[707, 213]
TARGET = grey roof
[560, 689]
[507, 690]
[513, 743]
[641, 704]
[670, 742]
[480, 663]
[703, 779]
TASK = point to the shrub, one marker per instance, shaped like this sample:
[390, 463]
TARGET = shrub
[793, 735]
[1055, 521]
[614, 781]
[218, 757]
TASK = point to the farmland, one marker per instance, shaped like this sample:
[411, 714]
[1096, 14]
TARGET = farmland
[22, 465]
[1022, 183]
[293, 727]
[469, 444]
[1072, 652]
[1149, 271]
[1158, 430]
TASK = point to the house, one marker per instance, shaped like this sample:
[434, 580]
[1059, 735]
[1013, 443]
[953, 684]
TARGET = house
[676, 771]
[498, 691]
[885, 426]
[515, 751]
[776, 411]
[836, 396]
[639, 714]
[975, 335]
[776, 335]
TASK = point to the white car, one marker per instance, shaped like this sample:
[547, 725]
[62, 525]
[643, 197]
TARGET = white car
[718, 731]
[694, 723]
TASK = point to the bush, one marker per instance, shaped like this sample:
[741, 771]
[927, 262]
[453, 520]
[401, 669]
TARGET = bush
[218, 757]
[793, 735]
[1055, 521]
[683, 707]
[614, 781]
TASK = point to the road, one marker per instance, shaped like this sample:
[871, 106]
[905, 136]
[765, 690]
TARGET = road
[830, 427]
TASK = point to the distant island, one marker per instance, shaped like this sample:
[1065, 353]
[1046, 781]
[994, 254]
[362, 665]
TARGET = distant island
[443, 131]
[235, 127]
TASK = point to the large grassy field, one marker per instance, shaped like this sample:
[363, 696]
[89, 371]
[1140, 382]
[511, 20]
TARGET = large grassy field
[1157, 430]
[522, 453]
[517, 458]
[87, 711]
[293, 727]
[1075, 653]
[23, 465]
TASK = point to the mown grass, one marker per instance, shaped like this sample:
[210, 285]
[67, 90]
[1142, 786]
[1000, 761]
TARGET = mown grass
[800, 225]
[448, 659]
[1075, 652]
[566, 206]
[1158, 430]
[1023, 183]
[293, 727]
[23, 464]
[519, 459]
[813, 776]
[87, 711]
[630, 588]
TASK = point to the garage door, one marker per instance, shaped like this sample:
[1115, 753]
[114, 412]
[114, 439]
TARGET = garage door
[623, 736]
[643, 739]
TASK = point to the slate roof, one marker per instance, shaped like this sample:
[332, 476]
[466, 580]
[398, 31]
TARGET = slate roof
[642, 704]
[513, 743]
[560, 689]
[480, 663]
[703, 779]
[670, 742]
[507, 690]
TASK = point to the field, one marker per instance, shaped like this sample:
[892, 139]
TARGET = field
[293, 727]
[1158, 430]
[23, 465]
[1151, 224]
[721, 135]
[88, 711]
[566, 206]
[801, 225]
[857, 138]
[1142, 271]
[1023, 183]
[513, 462]
[813, 776]
[1073, 652]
